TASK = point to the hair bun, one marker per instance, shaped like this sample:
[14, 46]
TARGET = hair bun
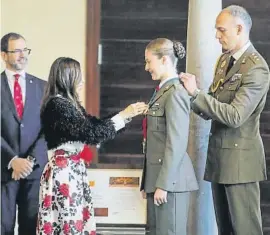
[179, 49]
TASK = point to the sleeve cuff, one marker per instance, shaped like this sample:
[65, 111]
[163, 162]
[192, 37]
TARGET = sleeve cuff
[118, 122]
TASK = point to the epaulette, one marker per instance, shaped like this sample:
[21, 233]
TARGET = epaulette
[255, 57]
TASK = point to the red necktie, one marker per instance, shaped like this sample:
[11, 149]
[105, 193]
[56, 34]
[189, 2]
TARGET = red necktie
[18, 100]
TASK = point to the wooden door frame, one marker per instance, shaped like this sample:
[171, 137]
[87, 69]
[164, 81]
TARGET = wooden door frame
[92, 83]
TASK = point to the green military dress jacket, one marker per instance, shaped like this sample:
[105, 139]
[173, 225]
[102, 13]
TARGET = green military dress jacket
[234, 103]
[167, 164]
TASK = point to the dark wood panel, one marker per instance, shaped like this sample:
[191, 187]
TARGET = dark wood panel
[265, 216]
[265, 116]
[125, 74]
[265, 128]
[121, 97]
[265, 192]
[126, 142]
[266, 141]
[264, 49]
[125, 51]
[146, 9]
[267, 104]
[256, 8]
[115, 74]
[119, 28]
[268, 168]
[259, 27]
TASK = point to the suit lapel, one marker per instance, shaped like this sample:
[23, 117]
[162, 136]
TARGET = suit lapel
[7, 96]
[30, 94]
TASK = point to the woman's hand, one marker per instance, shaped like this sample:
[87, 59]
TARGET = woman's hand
[133, 110]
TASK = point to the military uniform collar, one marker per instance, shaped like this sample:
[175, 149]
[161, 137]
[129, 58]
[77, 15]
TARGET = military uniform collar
[165, 87]
[165, 81]
[237, 55]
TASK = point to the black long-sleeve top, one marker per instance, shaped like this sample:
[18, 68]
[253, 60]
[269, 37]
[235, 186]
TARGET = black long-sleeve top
[62, 122]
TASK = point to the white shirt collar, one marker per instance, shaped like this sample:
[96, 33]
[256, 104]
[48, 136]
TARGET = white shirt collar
[241, 51]
[166, 80]
[10, 74]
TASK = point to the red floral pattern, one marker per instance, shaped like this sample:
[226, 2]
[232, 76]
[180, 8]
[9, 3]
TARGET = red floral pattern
[79, 225]
[65, 204]
[61, 161]
[47, 227]
[64, 190]
[66, 228]
[47, 201]
[86, 214]
[75, 158]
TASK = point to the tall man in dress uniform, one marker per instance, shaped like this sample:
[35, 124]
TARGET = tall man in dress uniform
[23, 150]
[236, 158]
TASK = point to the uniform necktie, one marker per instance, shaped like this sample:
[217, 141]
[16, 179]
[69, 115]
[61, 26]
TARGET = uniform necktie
[230, 65]
[18, 100]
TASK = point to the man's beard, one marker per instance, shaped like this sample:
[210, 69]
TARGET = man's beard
[19, 66]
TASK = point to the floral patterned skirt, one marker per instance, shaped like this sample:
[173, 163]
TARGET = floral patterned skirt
[65, 202]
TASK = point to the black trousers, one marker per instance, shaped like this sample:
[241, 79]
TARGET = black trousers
[237, 208]
[24, 194]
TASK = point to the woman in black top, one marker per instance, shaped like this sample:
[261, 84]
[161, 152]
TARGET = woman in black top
[65, 202]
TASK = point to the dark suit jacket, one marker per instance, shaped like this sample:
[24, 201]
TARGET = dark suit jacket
[18, 135]
[236, 100]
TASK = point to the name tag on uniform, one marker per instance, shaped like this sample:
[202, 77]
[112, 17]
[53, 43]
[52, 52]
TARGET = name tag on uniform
[155, 107]
[235, 77]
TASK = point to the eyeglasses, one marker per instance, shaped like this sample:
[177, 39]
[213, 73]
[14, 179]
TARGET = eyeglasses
[25, 51]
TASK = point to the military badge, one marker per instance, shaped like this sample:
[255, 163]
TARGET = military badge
[235, 77]
[223, 64]
[220, 71]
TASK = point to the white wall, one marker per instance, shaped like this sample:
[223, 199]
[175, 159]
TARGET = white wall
[52, 28]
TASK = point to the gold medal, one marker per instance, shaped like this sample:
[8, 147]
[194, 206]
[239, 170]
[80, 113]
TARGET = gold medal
[223, 64]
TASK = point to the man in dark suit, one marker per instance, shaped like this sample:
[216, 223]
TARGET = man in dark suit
[236, 159]
[23, 150]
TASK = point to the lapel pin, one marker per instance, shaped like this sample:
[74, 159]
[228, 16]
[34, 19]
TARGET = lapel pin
[31, 81]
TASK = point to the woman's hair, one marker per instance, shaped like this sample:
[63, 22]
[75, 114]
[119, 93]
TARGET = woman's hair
[65, 75]
[165, 47]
